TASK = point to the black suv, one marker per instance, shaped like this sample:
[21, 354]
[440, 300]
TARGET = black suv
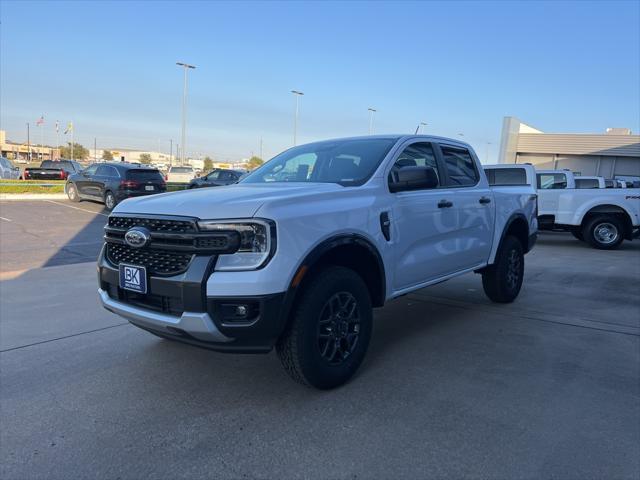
[216, 178]
[113, 182]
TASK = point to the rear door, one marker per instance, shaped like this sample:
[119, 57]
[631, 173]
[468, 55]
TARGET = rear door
[473, 203]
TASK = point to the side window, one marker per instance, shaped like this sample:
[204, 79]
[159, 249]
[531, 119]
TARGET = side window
[91, 169]
[461, 168]
[587, 183]
[103, 170]
[417, 155]
[551, 181]
[112, 172]
[213, 175]
[506, 176]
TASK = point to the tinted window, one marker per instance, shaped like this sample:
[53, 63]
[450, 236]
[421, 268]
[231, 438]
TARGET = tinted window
[461, 168]
[551, 181]
[417, 155]
[587, 183]
[506, 176]
[103, 170]
[227, 176]
[213, 175]
[144, 175]
[91, 169]
[346, 162]
[181, 170]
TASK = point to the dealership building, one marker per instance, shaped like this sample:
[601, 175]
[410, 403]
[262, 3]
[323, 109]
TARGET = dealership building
[612, 154]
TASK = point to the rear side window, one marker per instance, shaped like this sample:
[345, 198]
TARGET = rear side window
[506, 176]
[587, 183]
[551, 181]
[144, 175]
[460, 166]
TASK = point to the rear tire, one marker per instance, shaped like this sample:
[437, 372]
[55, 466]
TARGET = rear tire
[109, 201]
[330, 329]
[604, 232]
[502, 281]
[72, 192]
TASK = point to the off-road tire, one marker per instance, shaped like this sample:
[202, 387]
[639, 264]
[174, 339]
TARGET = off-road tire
[502, 280]
[300, 347]
[604, 232]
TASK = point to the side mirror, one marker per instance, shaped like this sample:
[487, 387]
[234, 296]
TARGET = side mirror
[412, 178]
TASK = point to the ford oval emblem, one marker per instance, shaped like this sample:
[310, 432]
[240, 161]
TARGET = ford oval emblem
[137, 237]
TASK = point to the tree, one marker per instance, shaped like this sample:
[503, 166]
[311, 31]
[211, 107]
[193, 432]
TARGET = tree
[208, 164]
[254, 162]
[145, 158]
[79, 152]
[107, 155]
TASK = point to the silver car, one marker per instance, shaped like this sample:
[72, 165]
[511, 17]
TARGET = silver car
[8, 170]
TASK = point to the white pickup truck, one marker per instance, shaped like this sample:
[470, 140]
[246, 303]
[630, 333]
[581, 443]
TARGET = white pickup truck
[602, 217]
[298, 253]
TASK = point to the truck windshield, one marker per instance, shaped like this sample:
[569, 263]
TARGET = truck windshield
[346, 162]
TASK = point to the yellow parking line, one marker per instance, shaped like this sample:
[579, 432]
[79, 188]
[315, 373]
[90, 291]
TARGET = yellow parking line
[76, 208]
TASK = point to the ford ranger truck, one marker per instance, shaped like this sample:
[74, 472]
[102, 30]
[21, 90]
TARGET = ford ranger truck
[296, 256]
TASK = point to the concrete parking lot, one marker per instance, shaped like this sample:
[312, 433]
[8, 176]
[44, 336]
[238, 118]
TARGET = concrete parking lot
[453, 385]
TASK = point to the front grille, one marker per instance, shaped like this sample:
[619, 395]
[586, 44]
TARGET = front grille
[156, 261]
[154, 224]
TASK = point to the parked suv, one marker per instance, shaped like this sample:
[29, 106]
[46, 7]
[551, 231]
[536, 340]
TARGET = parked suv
[113, 182]
[216, 178]
[181, 174]
[298, 253]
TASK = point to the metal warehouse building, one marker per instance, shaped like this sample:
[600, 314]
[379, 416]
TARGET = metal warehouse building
[614, 154]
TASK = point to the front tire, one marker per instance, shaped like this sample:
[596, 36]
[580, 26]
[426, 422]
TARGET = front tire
[330, 329]
[109, 201]
[72, 192]
[502, 281]
[604, 232]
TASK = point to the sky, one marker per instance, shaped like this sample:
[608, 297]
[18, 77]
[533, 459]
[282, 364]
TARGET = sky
[109, 67]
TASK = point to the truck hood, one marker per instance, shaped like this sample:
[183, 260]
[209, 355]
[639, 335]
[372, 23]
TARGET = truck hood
[232, 201]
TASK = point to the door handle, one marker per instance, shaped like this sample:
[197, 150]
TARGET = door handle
[445, 204]
[484, 200]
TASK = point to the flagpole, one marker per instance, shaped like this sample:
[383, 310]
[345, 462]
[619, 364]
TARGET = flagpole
[58, 138]
[42, 125]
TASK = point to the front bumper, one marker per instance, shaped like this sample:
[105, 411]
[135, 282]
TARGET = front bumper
[177, 307]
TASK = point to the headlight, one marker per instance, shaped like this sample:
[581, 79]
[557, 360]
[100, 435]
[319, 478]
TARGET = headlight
[257, 242]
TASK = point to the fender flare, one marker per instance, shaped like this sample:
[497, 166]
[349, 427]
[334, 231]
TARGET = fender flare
[507, 225]
[324, 247]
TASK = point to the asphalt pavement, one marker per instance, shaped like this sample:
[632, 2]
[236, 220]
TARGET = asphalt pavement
[453, 386]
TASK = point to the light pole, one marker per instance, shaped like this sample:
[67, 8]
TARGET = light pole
[296, 94]
[421, 124]
[185, 67]
[371, 112]
[170, 152]
[487, 152]
[28, 144]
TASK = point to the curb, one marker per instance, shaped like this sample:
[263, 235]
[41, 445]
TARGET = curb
[32, 196]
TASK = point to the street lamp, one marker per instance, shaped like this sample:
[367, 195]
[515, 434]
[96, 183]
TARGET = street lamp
[371, 112]
[296, 94]
[422, 124]
[487, 152]
[186, 67]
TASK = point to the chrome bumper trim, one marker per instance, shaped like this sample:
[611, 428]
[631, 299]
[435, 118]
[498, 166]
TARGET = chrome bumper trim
[198, 325]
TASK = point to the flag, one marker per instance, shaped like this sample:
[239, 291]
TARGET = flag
[40, 121]
[69, 128]
[57, 126]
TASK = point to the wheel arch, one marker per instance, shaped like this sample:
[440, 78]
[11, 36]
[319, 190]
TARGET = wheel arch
[518, 226]
[613, 210]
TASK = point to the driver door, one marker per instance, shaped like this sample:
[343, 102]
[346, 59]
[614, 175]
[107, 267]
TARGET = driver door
[83, 182]
[424, 233]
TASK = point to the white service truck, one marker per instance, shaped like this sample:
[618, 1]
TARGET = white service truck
[298, 254]
[602, 217]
